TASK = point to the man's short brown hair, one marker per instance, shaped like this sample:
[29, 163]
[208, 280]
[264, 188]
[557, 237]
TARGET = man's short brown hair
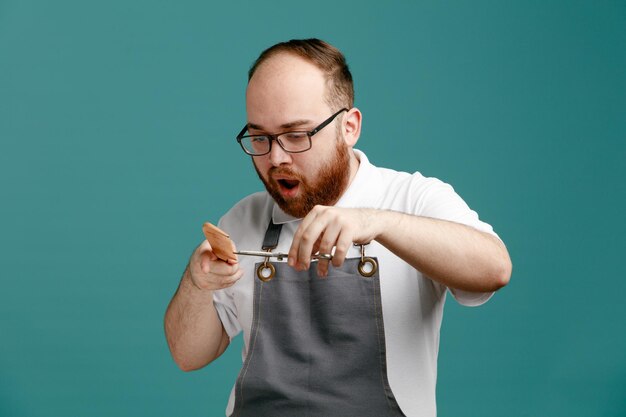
[339, 86]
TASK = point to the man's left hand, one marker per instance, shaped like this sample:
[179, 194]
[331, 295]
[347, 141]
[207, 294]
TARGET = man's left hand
[327, 227]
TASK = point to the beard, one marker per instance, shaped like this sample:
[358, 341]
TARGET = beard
[325, 189]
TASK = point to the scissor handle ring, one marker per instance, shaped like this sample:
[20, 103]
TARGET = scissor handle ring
[364, 269]
[262, 271]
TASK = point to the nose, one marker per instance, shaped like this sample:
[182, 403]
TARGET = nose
[278, 156]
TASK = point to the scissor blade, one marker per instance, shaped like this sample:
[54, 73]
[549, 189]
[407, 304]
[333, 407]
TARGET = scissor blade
[280, 255]
[261, 254]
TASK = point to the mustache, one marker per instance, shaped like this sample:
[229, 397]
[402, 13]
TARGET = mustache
[284, 171]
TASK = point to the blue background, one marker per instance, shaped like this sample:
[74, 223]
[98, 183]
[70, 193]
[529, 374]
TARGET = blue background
[117, 124]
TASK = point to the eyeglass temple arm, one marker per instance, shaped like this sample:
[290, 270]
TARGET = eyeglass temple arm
[323, 125]
[245, 128]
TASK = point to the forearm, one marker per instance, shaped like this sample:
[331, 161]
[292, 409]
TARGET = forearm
[193, 329]
[453, 254]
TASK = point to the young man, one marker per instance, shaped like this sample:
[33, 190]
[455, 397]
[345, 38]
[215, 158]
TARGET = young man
[355, 335]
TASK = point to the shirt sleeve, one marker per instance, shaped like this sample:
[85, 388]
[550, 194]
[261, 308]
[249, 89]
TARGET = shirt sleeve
[438, 200]
[227, 311]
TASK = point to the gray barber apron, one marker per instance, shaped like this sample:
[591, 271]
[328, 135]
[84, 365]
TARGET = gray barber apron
[317, 345]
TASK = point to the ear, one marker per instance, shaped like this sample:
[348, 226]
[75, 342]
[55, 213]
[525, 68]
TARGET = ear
[352, 126]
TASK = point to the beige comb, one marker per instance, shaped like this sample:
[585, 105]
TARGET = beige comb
[222, 246]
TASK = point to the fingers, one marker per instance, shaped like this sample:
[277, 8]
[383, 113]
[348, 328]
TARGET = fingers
[344, 242]
[323, 229]
[341, 240]
[327, 241]
[207, 272]
[215, 275]
[306, 236]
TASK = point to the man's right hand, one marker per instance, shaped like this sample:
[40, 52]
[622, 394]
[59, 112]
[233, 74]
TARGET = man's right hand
[207, 272]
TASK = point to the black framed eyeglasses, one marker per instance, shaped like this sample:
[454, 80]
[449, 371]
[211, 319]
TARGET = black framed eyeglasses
[292, 142]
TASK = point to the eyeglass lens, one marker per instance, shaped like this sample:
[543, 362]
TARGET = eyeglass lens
[290, 142]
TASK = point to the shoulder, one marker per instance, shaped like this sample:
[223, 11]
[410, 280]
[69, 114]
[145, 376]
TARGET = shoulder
[417, 194]
[411, 192]
[432, 197]
[253, 204]
[391, 181]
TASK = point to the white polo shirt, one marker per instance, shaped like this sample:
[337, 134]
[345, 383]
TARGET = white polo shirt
[412, 304]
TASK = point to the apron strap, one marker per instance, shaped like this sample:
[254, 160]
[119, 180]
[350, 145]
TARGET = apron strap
[270, 241]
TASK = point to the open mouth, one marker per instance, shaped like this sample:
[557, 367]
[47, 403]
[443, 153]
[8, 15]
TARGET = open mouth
[288, 184]
[288, 187]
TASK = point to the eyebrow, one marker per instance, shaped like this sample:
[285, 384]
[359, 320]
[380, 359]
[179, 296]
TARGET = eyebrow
[289, 125]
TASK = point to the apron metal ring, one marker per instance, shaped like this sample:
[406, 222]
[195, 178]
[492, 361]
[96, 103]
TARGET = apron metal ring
[265, 271]
[368, 266]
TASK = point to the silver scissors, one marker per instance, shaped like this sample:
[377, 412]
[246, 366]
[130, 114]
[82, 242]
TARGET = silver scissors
[280, 256]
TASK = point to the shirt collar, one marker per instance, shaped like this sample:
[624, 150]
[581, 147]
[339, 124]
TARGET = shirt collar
[362, 192]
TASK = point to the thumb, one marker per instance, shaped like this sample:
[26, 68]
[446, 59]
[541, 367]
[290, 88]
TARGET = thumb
[206, 257]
